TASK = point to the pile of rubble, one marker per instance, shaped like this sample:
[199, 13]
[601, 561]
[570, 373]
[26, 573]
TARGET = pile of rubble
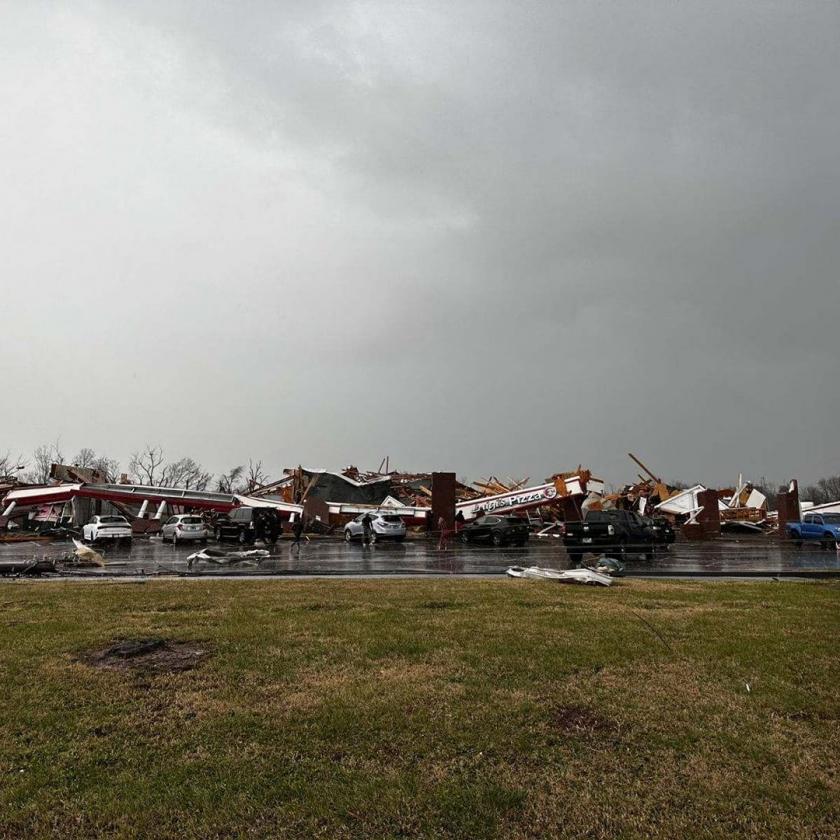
[699, 510]
[326, 499]
[334, 497]
[352, 485]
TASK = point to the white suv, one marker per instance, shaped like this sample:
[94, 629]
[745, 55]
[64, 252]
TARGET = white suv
[107, 528]
[383, 526]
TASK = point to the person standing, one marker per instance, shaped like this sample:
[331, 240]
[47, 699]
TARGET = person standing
[367, 523]
[297, 530]
[441, 523]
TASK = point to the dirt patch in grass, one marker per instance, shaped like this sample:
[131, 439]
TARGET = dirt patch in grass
[148, 656]
[439, 605]
[579, 720]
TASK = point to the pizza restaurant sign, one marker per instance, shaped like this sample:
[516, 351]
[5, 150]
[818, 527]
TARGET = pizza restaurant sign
[534, 496]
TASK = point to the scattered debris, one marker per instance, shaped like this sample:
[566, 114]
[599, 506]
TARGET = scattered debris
[586, 576]
[555, 529]
[27, 568]
[609, 566]
[226, 558]
[740, 526]
[85, 555]
[24, 536]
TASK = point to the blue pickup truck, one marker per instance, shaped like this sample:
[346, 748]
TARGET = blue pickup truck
[821, 527]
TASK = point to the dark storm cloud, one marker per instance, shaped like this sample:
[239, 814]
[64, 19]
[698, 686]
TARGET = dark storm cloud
[486, 236]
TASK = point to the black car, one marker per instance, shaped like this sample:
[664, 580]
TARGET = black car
[498, 530]
[246, 525]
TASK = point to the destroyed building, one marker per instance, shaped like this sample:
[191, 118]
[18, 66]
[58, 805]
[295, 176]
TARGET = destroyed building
[327, 499]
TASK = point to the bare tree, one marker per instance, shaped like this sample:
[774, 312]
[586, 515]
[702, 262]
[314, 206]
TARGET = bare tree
[830, 487]
[146, 466]
[109, 467]
[87, 458]
[257, 477]
[824, 491]
[764, 485]
[11, 467]
[186, 474]
[811, 493]
[150, 467]
[229, 482]
[43, 458]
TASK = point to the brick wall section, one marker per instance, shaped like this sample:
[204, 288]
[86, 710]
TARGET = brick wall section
[788, 508]
[709, 517]
[443, 499]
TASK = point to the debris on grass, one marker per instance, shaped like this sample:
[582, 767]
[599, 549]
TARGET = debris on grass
[586, 576]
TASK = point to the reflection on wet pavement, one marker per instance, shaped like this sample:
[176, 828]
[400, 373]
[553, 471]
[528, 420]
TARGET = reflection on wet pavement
[326, 556]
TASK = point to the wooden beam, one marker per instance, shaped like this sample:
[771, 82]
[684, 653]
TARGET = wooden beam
[655, 478]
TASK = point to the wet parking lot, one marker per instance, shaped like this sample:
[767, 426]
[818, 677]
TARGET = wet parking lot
[152, 557]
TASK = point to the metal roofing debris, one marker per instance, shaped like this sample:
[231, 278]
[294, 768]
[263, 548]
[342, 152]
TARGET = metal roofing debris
[140, 493]
[585, 576]
[683, 502]
[285, 507]
[827, 507]
[41, 495]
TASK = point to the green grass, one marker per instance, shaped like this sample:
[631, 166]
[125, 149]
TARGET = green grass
[445, 708]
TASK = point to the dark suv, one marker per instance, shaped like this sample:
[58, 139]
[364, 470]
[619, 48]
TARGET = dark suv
[246, 525]
[499, 530]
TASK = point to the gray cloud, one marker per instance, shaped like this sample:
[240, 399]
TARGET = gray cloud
[484, 236]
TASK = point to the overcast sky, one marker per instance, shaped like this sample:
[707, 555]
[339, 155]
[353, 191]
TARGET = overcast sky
[493, 237]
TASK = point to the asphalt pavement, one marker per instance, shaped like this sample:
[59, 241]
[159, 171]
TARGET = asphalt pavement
[743, 557]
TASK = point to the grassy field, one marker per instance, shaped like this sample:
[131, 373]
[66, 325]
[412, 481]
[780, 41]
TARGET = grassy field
[413, 708]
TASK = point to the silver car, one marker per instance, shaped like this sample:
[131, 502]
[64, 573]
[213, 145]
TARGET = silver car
[383, 526]
[183, 527]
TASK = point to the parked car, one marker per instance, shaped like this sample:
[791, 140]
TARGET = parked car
[246, 525]
[498, 530]
[619, 530]
[116, 528]
[184, 526]
[819, 527]
[383, 526]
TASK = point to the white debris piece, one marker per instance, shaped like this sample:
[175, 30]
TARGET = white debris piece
[215, 555]
[683, 502]
[587, 576]
[87, 554]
